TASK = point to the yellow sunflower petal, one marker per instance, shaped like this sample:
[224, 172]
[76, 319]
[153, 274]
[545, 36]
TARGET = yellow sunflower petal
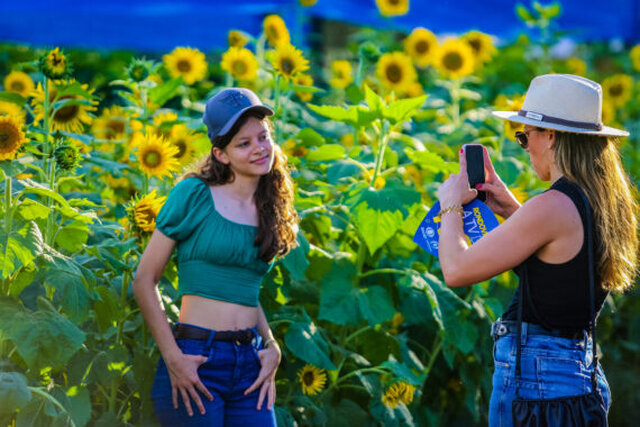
[312, 379]
[340, 74]
[421, 45]
[187, 62]
[240, 63]
[11, 136]
[156, 157]
[617, 89]
[276, 31]
[396, 71]
[454, 59]
[19, 82]
[288, 61]
[393, 7]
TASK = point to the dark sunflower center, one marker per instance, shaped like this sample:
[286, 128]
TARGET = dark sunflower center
[17, 86]
[5, 138]
[239, 67]
[452, 61]
[615, 90]
[308, 378]
[184, 66]
[394, 2]
[57, 60]
[394, 73]
[273, 33]
[287, 66]
[182, 147]
[152, 159]
[68, 113]
[116, 127]
[422, 47]
[475, 44]
[148, 214]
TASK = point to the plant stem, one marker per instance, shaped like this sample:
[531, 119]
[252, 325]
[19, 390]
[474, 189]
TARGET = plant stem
[356, 333]
[455, 102]
[437, 346]
[7, 205]
[123, 302]
[380, 371]
[385, 270]
[53, 400]
[381, 150]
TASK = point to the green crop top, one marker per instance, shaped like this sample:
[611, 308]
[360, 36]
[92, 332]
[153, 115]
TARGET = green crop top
[216, 256]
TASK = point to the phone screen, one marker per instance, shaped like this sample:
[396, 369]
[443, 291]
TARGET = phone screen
[475, 167]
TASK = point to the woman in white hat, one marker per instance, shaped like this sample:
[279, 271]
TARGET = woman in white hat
[546, 242]
[228, 221]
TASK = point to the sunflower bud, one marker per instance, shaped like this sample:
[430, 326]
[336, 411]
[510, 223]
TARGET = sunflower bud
[55, 65]
[140, 69]
[67, 156]
[369, 51]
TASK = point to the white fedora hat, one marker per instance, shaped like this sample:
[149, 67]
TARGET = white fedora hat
[563, 102]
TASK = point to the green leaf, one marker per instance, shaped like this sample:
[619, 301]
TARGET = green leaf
[74, 89]
[524, 14]
[73, 236]
[107, 310]
[341, 169]
[509, 170]
[14, 393]
[376, 226]
[376, 104]
[305, 342]
[42, 338]
[80, 405]
[13, 98]
[161, 94]
[394, 196]
[375, 305]
[65, 103]
[432, 162]
[296, 261]
[19, 248]
[326, 153]
[30, 209]
[403, 371]
[338, 297]
[310, 138]
[25, 278]
[43, 191]
[339, 114]
[404, 109]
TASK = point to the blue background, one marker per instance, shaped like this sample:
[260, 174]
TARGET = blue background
[161, 25]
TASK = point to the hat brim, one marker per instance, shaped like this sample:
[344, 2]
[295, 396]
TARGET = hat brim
[513, 116]
[227, 127]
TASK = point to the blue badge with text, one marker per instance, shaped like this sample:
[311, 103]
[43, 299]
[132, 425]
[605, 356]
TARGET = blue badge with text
[477, 220]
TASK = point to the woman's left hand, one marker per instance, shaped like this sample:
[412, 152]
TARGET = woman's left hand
[269, 361]
[455, 190]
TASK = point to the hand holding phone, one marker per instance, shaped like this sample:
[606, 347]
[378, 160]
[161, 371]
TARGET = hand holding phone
[475, 167]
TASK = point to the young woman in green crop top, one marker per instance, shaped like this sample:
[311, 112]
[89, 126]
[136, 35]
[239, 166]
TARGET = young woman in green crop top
[228, 221]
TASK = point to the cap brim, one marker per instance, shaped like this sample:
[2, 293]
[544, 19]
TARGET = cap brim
[513, 116]
[227, 127]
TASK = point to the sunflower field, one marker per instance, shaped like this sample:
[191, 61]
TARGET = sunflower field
[92, 142]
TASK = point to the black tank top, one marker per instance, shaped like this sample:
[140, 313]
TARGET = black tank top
[558, 296]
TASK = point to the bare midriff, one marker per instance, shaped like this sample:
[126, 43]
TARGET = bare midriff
[217, 315]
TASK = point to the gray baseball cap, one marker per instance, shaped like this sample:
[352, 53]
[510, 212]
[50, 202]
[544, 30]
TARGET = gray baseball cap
[224, 108]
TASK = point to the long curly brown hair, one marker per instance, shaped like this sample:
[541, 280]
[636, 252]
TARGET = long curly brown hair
[277, 217]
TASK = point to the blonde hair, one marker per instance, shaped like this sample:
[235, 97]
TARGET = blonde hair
[593, 162]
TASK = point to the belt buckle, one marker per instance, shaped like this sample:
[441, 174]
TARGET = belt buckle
[498, 329]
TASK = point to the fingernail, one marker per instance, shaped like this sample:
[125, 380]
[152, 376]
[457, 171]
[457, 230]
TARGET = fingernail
[461, 150]
[478, 186]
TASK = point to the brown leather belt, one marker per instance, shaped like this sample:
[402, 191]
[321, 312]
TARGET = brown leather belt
[243, 336]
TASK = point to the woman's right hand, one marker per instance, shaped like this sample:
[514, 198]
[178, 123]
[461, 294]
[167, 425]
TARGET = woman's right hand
[183, 373]
[499, 199]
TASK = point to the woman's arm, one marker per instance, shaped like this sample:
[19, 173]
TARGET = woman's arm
[269, 361]
[182, 368]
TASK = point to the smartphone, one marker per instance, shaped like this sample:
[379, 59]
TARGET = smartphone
[475, 167]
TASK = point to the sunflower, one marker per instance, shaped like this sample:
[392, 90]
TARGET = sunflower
[608, 113]
[140, 69]
[19, 82]
[415, 90]
[156, 156]
[182, 138]
[11, 136]
[240, 63]
[635, 57]
[421, 45]
[393, 7]
[395, 71]
[143, 212]
[111, 125]
[503, 103]
[288, 61]
[237, 38]
[312, 379]
[276, 31]
[11, 109]
[577, 66]
[186, 62]
[454, 59]
[70, 118]
[303, 80]
[398, 319]
[481, 44]
[164, 120]
[413, 174]
[617, 89]
[307, 3]
[292, 149]
[340, 74]
[400, 392]
[54, 64]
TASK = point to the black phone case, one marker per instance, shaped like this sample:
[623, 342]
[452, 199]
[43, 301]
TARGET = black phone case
[475, 168]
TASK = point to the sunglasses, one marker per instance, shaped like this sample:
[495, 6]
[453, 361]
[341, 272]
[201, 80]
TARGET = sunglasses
[523, 137]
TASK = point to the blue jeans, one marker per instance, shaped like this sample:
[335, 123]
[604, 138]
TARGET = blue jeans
[550, 367]
[229, 370]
